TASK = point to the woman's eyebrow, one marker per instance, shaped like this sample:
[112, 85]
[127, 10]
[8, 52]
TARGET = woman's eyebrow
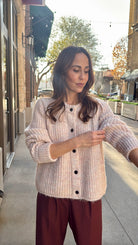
[79, 66]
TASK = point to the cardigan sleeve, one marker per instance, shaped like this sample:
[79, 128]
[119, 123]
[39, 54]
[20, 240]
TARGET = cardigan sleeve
[37, 137]
[117, 133]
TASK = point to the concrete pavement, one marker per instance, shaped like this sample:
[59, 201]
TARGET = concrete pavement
[120, 204]
[122, 196]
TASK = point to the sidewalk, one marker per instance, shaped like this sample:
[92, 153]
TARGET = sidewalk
[120, 209]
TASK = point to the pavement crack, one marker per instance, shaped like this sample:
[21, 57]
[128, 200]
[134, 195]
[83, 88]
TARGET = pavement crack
[119, 220]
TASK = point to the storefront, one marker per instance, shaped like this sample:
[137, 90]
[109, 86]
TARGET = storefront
[131, 78]
[9, 106]
[17, 75]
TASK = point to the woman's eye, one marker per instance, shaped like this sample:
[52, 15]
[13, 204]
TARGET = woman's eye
[76, 70]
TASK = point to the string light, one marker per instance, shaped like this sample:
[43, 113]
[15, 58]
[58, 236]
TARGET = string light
[110, 22]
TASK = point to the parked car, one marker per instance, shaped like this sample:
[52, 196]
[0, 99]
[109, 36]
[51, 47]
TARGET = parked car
[112, 95]
[91, 91]
[45, 92]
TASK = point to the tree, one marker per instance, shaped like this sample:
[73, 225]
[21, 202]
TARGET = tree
[69, 31]
[120, 60]
[43, 72]
[73, 31]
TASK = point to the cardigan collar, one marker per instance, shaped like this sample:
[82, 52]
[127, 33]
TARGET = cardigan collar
[72, 107]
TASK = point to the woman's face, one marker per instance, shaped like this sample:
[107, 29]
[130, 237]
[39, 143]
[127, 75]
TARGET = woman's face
[78, 74]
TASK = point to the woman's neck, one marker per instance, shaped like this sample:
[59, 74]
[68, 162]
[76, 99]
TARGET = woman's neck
[72, 99]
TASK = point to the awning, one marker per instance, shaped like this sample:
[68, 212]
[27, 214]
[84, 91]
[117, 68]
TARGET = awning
[133, 75]
[108, 74]
[34, 2]
[42, 20]
[126, 75]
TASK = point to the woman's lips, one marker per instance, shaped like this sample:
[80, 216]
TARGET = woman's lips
[80, 84]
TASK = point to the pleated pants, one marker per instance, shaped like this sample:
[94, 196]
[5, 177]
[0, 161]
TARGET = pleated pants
[54, 214]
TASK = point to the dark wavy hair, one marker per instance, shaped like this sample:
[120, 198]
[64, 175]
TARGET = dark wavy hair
[62, 65]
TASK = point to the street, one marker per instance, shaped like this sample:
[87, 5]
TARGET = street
[120, 209]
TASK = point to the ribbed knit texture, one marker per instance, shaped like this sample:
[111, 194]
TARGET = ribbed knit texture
[58, 178]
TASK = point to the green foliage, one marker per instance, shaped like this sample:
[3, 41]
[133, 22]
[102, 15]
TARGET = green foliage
[102, 96]
[114, 100]
[73, 31]
[132, 103]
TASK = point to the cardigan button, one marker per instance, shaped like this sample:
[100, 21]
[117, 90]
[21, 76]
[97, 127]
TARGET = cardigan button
[72, 130]
[73, 150]
[76, 172]
[71, 109]
[77, 192]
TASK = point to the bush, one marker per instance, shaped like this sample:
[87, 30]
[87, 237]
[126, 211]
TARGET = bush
[102, 96]
[131, 103]
[115, 100]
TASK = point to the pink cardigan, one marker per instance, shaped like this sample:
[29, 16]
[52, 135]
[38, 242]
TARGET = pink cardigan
[79, 174]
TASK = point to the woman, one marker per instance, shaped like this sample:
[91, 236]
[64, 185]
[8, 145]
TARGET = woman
[65, 139]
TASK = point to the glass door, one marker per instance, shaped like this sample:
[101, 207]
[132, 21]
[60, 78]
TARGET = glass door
[15, 72]
[7, 110]
[16, 97]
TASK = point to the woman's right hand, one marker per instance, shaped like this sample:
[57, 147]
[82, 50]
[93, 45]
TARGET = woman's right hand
[90, 138]
[83, 140]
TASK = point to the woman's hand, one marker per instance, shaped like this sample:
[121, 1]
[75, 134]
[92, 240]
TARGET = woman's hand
[83, 140]
[133, 157]
[90, 138]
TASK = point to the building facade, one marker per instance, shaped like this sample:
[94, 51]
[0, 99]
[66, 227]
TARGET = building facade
[131, 76]
[132, 63]
[104, 82]
[17, 76]
[12, 75]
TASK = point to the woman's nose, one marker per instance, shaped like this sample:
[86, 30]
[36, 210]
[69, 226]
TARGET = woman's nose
[82, 75]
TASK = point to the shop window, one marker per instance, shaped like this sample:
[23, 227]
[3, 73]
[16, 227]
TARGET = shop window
[15, 71]
[5, 11]
[6, 91]
[14, 14]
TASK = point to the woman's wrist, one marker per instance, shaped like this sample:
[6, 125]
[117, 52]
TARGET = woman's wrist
[77, 142]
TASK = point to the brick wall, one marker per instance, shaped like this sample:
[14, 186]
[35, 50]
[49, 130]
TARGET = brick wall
[21, 57]
[133, 36]
[28, 88]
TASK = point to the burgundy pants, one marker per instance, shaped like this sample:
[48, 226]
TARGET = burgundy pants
[54, 214]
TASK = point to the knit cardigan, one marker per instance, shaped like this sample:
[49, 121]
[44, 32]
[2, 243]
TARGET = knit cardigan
[78, 174]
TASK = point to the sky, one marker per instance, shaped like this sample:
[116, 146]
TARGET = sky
[109, 20]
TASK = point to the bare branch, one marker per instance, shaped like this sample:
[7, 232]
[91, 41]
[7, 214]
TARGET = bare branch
[49, 63]
[39, 79]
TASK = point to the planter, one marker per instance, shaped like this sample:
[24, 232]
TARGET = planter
[130, 111]
[28, 115]
[29, 112]
[137, 113]
[21, 122]
[115, 106]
